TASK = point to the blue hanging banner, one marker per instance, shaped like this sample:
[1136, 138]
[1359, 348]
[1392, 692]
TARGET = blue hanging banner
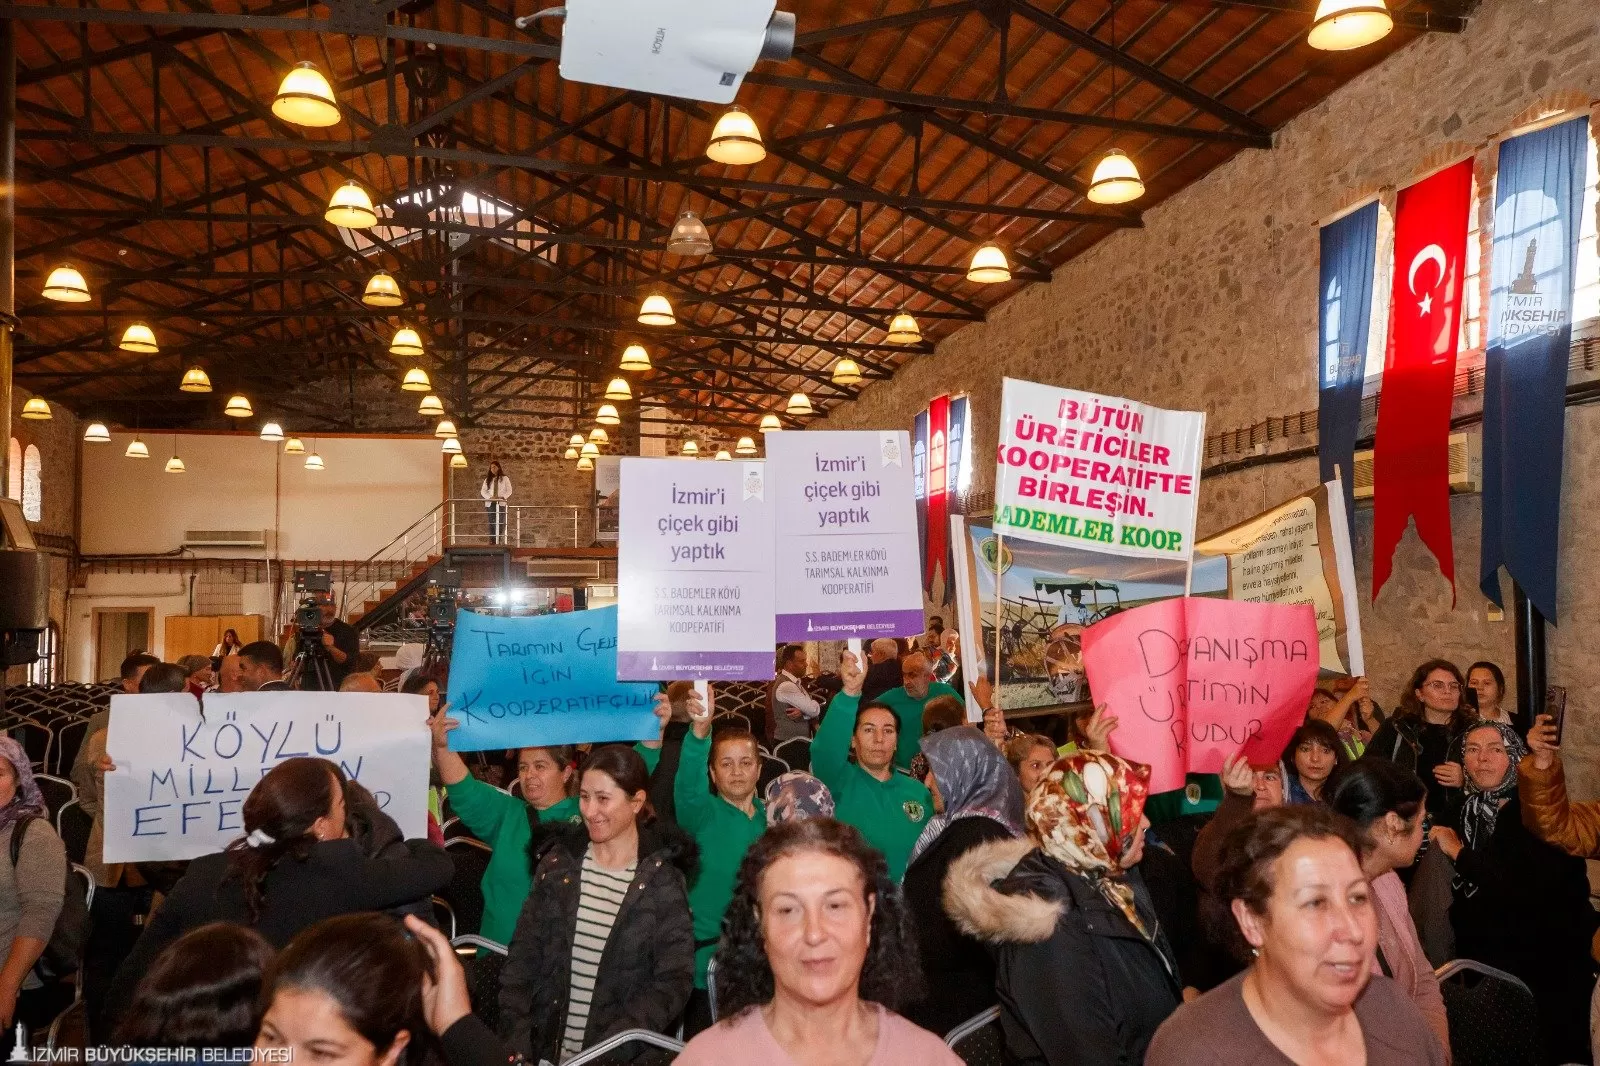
[548, 679]
[1537, 213]
[1349, 251]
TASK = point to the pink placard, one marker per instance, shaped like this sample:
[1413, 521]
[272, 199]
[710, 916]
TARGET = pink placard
[1194, 680]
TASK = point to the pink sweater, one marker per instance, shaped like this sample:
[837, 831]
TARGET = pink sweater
[1397, 939]
[746, 1039]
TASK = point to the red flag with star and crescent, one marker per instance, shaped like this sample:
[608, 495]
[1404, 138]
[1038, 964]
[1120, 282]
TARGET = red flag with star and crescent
[1411, 461]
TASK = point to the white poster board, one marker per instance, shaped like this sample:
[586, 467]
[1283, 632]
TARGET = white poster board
[1098, 472]
[694, 571]
[846, 558]
[181, 779]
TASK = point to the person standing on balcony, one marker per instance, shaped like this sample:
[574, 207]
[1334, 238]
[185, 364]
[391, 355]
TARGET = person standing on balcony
[496, 490]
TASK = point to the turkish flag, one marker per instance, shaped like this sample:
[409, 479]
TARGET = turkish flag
[1411, 464]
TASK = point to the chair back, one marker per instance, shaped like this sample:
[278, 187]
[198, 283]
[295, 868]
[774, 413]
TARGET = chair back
[444, 916]
[979, 1041]
[643, 1042]
[1492, 1015]
[465, 891]
[483, 959]
[57, 792]
[796, 751]
[73, 824]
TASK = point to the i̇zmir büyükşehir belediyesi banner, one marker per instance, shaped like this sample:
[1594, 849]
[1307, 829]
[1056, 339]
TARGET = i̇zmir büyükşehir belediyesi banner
[1100, 472]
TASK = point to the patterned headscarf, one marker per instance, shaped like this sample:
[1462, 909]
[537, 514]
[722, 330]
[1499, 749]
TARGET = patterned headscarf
[1085, 813]
[28, 800]
[796, 795]
[974, 782]
[1482, 807]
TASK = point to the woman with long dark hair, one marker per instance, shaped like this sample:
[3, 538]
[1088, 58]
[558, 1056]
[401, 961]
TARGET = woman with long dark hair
[604, 942]
[350, 990]
[1488, 682]
[228, 645]
[295, 866]
[1313, 753]
[495, 490]
[1418, 737]
[817, 952]
[202, 991]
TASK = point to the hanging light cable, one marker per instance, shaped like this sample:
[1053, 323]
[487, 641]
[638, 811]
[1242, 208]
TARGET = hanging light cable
[1116, 179]
[989, 265]
[903, 328]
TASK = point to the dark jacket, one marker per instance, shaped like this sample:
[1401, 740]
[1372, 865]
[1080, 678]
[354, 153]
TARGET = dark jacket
[335, 878]
[647, 968]
[1078, 985]
[881, 677]
[1406, 740]
[1523, 906]
[958, 969]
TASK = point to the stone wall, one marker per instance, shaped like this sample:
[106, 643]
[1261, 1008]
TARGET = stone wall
[1213, 305]
[545, 487]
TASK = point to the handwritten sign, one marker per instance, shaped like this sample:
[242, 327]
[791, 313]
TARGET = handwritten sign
[1099, 472]
[182, 778]
[694, 571]
[846, 559]
[551, 679]
[1192, 680]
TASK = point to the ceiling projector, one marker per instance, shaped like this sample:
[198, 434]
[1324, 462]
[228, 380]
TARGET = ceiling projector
[696, 49]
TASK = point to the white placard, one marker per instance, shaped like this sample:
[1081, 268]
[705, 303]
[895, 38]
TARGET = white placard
[182, 778]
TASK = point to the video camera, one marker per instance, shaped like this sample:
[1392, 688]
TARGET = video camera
[443, 596]
[311, 587]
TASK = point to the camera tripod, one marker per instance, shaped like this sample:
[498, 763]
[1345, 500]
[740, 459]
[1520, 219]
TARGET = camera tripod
[309, 655]
[436, 652]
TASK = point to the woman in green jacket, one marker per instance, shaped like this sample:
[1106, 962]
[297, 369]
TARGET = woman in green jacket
[853, 754]
[723, 823]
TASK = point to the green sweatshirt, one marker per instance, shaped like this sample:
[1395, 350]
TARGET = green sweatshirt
[724, 834]
[890, 814]
[565, 811]
[500, 821]
[908, 709]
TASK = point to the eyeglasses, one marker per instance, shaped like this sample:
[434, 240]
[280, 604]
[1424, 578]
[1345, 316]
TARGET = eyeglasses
[1443, 686]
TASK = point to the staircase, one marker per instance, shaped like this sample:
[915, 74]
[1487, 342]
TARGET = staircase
[402, 564]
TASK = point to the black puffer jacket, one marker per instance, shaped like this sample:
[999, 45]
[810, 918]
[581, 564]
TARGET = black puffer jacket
[647, 968]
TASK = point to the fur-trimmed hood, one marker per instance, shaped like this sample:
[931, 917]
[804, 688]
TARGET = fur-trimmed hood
[981, 910]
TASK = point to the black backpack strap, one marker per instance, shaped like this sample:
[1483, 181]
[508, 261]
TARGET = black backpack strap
[17, 832]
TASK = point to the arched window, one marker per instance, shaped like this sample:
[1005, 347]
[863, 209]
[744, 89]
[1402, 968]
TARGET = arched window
[32, 494]
[14, 470]
[42, 671]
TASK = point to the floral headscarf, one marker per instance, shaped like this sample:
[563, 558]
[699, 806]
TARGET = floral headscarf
[1482, 807]
[1085, 813]
[974, 782]
[796, 795]
[28, 801]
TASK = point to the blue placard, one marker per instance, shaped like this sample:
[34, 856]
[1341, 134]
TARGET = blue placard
[552, 679]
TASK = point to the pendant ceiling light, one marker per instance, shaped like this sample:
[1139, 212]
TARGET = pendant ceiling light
[238, 407]
[195, 379]
[67, 285]
[138, 338]
[416, 380]
[589, 450]
[314, 462]
[430, 407]
[735, 140]
[746, 446]
[771, 423]
[272, 431]
[458, 462]
[619, 390]
[689, 236]
[37, 409]
[406, 342]
[656, 311]
[904, 329]
[451, 446]
[351, 208]
[634, 357]
[599, 435]
[690, 448]
[1116, 180]
[1340, 25]
[137, 449]
[97, 433]
[293, 446]
[845, 372]
[305, 98]
[445, 429]
[585, 463]
[572, 451]
[799, 404]
[382, 291]
[723, 456]
[989, 265]
[175, 465]
[576, 440]
[607, 416]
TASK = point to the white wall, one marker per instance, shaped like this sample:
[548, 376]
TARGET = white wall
[163, 594]
[372, 489]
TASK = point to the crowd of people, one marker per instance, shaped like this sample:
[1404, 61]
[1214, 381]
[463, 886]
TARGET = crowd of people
[927, 863]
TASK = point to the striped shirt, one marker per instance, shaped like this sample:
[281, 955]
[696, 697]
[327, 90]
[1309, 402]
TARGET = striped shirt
[600, 895]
